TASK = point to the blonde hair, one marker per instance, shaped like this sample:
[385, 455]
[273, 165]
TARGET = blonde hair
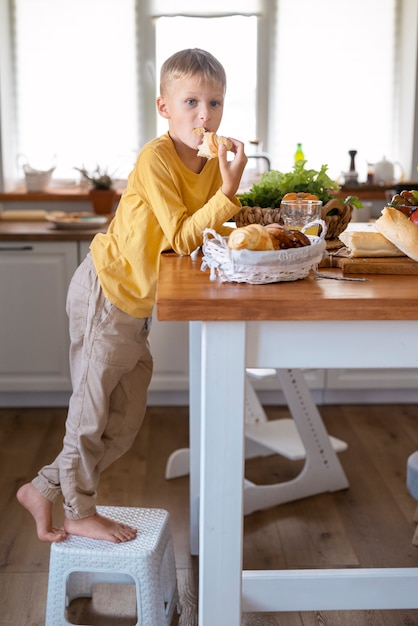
[191, 62]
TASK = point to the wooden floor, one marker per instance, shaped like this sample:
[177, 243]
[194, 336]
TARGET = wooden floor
[370, 524]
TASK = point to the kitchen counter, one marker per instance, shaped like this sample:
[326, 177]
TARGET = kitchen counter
[52, 194]
[365, 191]
[41, 230]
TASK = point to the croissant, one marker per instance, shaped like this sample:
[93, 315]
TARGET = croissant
[251, 237]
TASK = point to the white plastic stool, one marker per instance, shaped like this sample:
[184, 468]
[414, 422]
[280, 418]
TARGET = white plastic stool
[77, 564]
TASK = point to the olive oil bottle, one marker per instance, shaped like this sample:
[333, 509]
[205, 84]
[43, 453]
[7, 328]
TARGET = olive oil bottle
[299, 156]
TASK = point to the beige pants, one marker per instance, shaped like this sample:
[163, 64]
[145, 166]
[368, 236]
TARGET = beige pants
[111, 368]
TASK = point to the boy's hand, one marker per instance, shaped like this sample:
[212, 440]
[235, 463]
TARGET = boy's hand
[231, 171]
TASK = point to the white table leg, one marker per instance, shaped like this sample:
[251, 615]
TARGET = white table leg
[222, 473]
[222, 394]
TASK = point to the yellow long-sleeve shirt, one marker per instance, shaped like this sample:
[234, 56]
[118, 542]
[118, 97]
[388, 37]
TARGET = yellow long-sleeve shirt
[165, 206]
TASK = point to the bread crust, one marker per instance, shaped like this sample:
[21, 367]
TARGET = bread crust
[399, 230]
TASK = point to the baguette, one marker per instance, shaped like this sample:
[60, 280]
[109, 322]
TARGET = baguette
[399, 230]
[210, 142]
[23, 214]
[369, 243]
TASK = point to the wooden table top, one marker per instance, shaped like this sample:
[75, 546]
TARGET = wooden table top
[185, 293]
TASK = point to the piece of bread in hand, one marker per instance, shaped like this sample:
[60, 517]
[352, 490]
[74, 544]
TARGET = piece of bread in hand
[400, 231]
[251, 237]
[210, 142]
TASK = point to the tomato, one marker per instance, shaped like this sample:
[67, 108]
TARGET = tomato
[414, 217]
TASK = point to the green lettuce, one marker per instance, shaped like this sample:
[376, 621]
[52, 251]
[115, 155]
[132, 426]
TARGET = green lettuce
[273, 185]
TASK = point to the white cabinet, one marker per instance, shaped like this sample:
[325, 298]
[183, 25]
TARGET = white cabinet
[34, 342]
[371, 386]
[372, 379]
[170, 350]
[34, 278]
[83, 249]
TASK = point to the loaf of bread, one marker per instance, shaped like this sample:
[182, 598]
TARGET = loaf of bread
[251, 237]
[270, 237]
[210, 142]
[370, 243]
[23, 214]
[399, 230]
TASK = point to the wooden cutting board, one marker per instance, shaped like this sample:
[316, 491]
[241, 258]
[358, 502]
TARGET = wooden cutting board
[382, 265]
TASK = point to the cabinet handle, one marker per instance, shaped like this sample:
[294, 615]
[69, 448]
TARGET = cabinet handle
[15, 248]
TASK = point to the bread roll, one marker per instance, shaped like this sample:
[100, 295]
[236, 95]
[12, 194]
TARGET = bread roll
[284, 238]
[299, 195]
[399, 230]
[251, 237]
[270, 237]
[210, 142]
[368, 244]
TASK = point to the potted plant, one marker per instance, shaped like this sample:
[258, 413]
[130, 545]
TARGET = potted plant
[262, 202]
[102, 194]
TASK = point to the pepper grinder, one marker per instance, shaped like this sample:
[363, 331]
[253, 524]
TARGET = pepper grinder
[351, 177]
[352, 154]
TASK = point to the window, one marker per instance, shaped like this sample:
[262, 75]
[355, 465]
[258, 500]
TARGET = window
[75, 84]
[78, 78]
[334, 83]
[240, 63]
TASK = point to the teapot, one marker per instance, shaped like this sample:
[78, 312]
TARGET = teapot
[384, 172]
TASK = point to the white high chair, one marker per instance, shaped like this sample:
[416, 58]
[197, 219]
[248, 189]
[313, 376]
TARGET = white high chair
[303, 436]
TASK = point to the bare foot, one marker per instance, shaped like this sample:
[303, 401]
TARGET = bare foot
[41, 510]
[98, 527]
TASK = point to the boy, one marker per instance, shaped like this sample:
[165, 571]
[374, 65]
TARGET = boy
[171, 197]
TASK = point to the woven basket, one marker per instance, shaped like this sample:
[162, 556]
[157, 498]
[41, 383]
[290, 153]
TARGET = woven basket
[257, 268]
[336, 224]
[256, 215]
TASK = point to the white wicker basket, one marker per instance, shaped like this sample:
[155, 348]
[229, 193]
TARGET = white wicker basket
[257, 268]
